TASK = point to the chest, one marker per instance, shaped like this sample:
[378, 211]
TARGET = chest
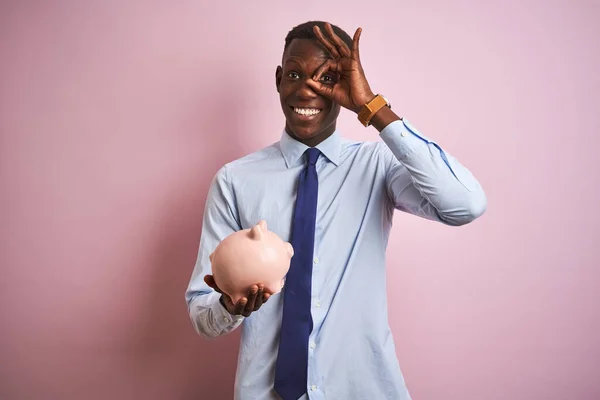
[347, 193]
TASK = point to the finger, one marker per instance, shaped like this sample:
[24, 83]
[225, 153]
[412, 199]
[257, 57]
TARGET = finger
[240, 306]
[320, 88]
[259, 298]
[328, 45]
[251, 300]
[355, 42]
[266, 297]
[210, 281]
[329, 65]
[339, 43]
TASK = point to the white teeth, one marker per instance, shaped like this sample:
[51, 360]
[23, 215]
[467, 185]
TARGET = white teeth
[306, 111]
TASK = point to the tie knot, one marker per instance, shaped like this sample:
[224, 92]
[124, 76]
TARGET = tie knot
[312, 155]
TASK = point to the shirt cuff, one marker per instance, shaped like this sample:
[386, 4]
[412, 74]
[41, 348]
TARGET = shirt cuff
[221, 316]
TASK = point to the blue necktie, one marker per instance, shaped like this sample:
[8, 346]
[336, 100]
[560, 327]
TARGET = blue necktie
[291, 370]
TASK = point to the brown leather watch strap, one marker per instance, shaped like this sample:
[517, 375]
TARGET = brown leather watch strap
[370, 109]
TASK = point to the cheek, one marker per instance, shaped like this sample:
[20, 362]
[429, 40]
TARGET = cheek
[283, 96]
[285, 90]
[334, 112]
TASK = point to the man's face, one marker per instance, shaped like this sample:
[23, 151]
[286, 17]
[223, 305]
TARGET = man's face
[310, 117]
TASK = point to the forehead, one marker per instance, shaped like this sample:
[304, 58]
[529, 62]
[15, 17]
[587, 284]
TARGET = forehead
[305, 50]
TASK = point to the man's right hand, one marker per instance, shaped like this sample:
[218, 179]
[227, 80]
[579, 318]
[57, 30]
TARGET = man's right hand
[246, 305]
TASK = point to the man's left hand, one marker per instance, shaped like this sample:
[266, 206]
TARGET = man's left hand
[349, 87]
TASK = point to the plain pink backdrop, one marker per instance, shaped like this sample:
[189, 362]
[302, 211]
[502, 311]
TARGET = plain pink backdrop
[115, 115]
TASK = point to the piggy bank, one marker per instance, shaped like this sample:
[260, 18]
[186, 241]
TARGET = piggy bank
[249, 257]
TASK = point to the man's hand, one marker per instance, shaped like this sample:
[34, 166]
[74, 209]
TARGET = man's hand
[349, 87]
[246, 305]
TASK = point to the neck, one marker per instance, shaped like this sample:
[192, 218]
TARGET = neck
[315, 140]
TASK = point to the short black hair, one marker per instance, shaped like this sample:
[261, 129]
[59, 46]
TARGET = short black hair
[305, 31]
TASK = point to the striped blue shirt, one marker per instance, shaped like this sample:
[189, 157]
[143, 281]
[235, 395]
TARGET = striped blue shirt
[352, 353]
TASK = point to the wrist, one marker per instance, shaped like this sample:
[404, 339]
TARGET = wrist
[372, 108]
[366, 99]
[222, 301]
[383, 118]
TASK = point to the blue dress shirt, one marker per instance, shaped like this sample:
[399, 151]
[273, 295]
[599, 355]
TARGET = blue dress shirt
[352, 354]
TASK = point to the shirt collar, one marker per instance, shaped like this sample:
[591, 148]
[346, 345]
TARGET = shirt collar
[293, 150]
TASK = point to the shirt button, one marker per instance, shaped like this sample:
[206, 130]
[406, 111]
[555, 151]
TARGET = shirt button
[318, 303]
[403, 134]
[316, 260]
[225, 319]
[313, 345]
[313, 387]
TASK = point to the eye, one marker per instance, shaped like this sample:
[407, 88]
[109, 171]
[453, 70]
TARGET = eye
[327, 79]
[293, 75]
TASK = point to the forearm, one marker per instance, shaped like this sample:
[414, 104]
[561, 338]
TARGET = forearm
[449, 187]
[383, 118]
[210, 318]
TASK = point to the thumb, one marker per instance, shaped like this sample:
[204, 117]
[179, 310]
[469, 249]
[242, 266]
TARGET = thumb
[323, 90]
[210, 281]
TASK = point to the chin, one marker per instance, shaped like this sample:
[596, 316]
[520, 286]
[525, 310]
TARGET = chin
[309, 129]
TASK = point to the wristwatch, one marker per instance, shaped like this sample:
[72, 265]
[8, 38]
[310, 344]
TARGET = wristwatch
[371, 108]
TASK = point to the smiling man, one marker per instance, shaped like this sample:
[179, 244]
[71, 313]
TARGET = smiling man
[326, 335]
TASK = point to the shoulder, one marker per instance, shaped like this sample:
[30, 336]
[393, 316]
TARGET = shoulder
[256, 158]
[368, 150]
[249, 163]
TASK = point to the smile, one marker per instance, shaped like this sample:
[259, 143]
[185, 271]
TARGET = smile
[306, 111]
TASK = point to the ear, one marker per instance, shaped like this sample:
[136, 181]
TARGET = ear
[211, 256]
[256, 232]
[263, 224]
[278, 75]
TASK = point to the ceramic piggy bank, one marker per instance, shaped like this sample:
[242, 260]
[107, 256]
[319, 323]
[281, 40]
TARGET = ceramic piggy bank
[249, 257]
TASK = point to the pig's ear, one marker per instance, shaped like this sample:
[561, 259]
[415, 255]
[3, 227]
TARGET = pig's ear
[256, 232]
[263, 225]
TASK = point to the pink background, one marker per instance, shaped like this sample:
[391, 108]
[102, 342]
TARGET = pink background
[115, 115]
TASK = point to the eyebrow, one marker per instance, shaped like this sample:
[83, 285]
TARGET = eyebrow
[293, 62]
[299, 60]
[293, 59]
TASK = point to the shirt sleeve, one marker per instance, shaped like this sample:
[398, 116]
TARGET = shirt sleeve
[208, 316]
[424, 180]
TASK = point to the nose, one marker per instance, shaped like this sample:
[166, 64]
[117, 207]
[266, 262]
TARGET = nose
[304, 91]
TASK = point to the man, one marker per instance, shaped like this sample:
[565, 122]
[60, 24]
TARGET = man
[326, 336]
